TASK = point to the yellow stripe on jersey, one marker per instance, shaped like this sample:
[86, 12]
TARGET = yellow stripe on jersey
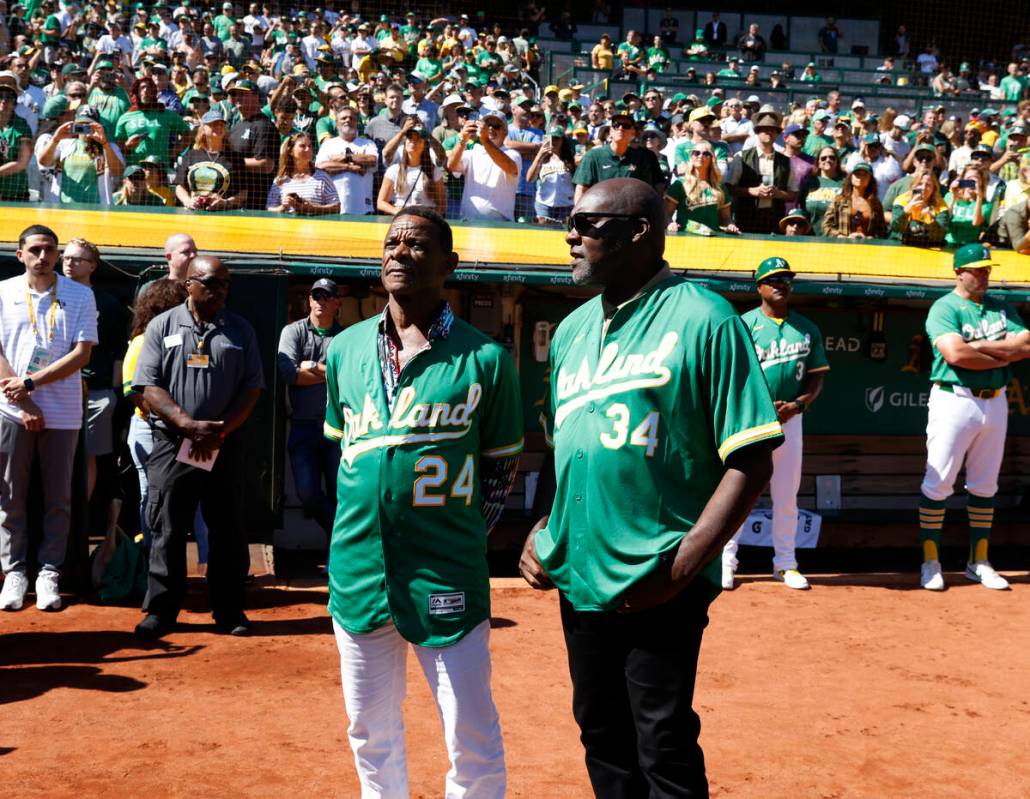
[331, 432]
[354, 450]
[504, 452]
[749, 436]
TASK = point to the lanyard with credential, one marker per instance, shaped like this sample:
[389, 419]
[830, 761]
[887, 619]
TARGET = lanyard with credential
[51, 315]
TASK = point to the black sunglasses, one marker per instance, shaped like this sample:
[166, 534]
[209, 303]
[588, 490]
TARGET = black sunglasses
[924, 158]
[211, 283]
[625, 125]
[780, 279]
[321, 296]
[580, 222]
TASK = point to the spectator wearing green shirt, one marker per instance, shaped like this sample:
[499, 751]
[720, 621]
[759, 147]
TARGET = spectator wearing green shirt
[968, 209]
[617, 158]
[658, 57]
[730, 70]
[430, 66]
[817, 138]
[698, 196]
[224, 21]
[810, 75]
[631, 49]
[15, 144]
[1013, 86]
[106, 96]
[149, 128]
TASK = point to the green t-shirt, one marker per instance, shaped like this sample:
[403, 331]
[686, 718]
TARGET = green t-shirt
[1012, 88]
[657, 58]
[704, 210]
[79, 177]
[430, 68]
[148, 42]
[727, 72]
[814, 142]
[990, 321]
[51, 30]
[110, 107]
[788, 349]
[488, 62]
[632, 49]
[325, 128]
[222, 23]
[157, 126]
[961, 229]
[642, 419]
[409, 540]
[14, 187]
[819, 195]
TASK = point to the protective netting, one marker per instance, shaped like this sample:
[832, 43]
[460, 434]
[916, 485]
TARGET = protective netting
[495, 115]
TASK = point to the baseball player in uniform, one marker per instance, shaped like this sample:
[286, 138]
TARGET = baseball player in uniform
[662, 428]
[975, 337]
[429, 416]
[790, 349]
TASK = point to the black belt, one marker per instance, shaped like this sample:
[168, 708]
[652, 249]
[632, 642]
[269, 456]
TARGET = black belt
[983, 393]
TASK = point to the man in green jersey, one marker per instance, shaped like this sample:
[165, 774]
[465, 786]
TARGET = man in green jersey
[662, 428]
[790, 350]
[975, 337]
[428, 413]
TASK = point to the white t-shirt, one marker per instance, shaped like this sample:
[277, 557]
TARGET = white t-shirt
[254, 25]
[900, 147]
[554, 187]
[489, 191]
[417, 191]
[732, 127]
[886, 170]
[108, 45]
[75, 320]
[355, 190]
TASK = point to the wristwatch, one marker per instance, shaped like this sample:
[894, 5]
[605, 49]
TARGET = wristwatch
[29, 385]
[801, 405]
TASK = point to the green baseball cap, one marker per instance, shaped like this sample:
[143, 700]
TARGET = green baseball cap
[862, 166]
[556, 132]
[973, 256]
[772, 266]
[798, 214]
[105, 65]
[925, 148]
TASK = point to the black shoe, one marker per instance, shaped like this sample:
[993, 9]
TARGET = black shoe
[237, 625]
[153, 627]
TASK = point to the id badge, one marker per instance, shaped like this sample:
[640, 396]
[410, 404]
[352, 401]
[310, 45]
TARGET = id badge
[39, 360]
[198, 361]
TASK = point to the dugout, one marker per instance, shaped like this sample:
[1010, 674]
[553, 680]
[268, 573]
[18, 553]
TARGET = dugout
[864, 442]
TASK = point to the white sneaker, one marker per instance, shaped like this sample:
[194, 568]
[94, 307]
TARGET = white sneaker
[792, 578]
[931, 577]
[13, 595]
[727, 577]
[983, 572]
[48, 597]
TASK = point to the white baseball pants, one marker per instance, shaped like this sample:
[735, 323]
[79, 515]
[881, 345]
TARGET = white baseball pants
[783, 488]
[961, 427]
[373, 667]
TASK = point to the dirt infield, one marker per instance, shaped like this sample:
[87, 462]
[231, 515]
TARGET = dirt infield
[859, 688]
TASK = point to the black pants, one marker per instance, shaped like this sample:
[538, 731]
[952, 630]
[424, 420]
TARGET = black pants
[632, 691]
[175, 489]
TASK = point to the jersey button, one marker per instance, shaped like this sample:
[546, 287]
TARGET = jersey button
[590, 408]
[579, 497]
[388, 495]
[579, 453]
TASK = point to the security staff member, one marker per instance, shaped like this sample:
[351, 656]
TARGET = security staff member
[301, 363]
[200, 373]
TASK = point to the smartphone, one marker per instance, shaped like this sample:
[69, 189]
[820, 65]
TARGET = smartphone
[82, 129]
[473, 116]
[967, 184]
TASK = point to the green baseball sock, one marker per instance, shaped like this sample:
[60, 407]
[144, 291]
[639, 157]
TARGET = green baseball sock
[981, 516]
[931, 521]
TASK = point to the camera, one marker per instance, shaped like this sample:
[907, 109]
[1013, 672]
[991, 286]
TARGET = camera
[82, 129]
[967, 184]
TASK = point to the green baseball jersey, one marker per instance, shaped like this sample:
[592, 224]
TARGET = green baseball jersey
[157, 127]
[642, 417]
[787, 349]
[991, 320]
[409, 539]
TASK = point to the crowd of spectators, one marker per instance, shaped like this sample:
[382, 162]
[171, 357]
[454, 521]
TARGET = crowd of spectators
[318, 112]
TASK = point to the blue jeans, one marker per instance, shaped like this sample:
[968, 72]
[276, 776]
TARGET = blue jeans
[315, 461]
[141, 444]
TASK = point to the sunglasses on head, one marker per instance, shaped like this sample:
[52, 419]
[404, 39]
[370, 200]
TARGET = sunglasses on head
[582, 224]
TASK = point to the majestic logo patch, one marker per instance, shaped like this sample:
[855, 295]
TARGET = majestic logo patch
[444, 604]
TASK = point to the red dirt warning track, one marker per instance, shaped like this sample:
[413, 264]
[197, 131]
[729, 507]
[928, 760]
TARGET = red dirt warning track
[858, 688]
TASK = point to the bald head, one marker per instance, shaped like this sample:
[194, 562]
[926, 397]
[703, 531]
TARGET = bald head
[207, 284]
[180, 250]
[204, 265]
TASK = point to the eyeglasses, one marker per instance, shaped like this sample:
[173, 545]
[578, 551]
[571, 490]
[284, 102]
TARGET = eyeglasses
[211, 283]
[624, 125]
[827, 158]
[700, 154]
[580, 222]
[321, 296]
